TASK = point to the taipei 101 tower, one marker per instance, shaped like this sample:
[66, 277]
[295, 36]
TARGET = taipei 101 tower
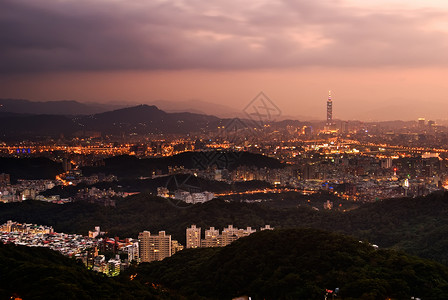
[329, 111]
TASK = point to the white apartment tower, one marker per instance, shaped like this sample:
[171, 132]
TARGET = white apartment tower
[212, 238]
[193, 237]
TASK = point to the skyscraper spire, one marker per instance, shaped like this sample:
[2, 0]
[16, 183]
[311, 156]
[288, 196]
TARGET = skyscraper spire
[329, 110]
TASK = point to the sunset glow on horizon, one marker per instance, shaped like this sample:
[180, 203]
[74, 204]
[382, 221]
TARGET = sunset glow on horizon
[382, 60]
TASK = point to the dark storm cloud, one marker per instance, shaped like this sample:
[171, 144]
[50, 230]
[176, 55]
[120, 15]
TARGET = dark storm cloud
[66, 35]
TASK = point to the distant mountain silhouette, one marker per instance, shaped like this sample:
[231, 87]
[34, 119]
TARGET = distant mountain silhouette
[24, 119]
[22, 125]
[62, 107]
[146, 119]
[198, 106]
[141, 119]
[220, 110]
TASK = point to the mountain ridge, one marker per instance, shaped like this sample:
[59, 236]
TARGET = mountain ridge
[57, 107]
[140, 119]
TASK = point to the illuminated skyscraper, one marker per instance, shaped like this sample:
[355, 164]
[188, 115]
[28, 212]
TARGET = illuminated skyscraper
[193, 237]
[329, 110]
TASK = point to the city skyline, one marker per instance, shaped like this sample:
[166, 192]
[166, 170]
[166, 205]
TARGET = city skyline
[286, 149]
[382, 60]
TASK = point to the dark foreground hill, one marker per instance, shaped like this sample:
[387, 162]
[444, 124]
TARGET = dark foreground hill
[298, 264]
[126, 166]
[416, 225]
[39, 273]
[279, 264]
[30, 168]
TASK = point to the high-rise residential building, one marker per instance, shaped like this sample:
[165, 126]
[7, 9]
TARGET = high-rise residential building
[329, 110]
[183, 195]
[229, 235]
[193, 198]
[266, 227]
[113, 266]
[154, 247]
[193, 237]
[245, 232]
[212, 238]
[201, 197]
[132, 249]
[344, 127]
[176, 247]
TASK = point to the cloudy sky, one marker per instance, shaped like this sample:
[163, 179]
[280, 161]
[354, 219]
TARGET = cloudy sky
[382, 59]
